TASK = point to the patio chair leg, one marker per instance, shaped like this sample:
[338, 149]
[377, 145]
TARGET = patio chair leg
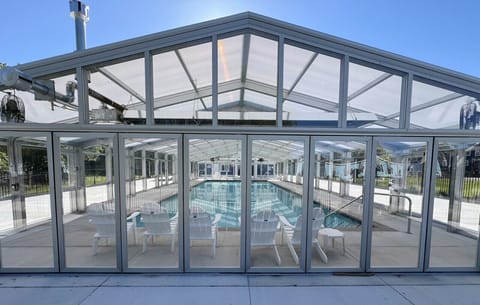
[214, 246]
[277, 255]
[144, 243]
[322, 254]
[172, 246]
[293, 252]
[95, 245]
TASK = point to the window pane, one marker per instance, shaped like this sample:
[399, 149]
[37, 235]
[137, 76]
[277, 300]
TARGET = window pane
[117, 93]
[438, 108]
[456, 208]
[311, 88]
[183, 86]
[373, 97]
[398, 201]
[25, 207]
[247, 80]
[276, 204]
[88, 199]
[151, 185]
[339, 172]
[214, 203]
[22, 106]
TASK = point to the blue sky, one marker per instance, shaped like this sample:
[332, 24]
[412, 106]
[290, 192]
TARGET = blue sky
[441, 32]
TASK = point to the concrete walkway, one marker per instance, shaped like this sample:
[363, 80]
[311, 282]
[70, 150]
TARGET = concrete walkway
[212, 289]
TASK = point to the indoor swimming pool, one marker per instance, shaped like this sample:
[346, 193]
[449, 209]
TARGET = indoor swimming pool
[223, 197]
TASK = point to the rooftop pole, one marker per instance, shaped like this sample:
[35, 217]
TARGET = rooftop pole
[79, 12]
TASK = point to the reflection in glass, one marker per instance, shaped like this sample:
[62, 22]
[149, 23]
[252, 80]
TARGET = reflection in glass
[339, 172]
[276, 203]
[398, 200]
[25, 207]
[456, 209]
[151, 184]
[40, 108]
[373, 97]
[183, 86]
[435, 107]
[88, 200]
[214, 203]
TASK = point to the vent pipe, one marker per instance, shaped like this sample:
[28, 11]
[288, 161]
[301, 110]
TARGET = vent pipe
[79, 12]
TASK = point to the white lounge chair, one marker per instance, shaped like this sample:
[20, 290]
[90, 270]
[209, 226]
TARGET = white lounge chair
[203, 228]
[102, 216]
[263, 229]
[293, 233]
[158, 223]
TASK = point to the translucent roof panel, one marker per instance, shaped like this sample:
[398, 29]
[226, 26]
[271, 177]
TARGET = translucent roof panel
[262, 60]
[376, 92]
[260, 102]
[168, 75]
[312, 74]
[198, 62]
[435, 107]
[277, 150]
[183, 85]
[296, 114]
[105, 86]
[195, 112]
[122, 83]
[214, 149]
[230, 51]
[131, 74]
[227, 98]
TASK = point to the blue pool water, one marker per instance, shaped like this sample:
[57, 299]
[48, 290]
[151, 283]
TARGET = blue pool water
[223, 197]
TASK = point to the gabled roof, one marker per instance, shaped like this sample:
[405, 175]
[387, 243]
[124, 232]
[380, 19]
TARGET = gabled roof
[238, 22]
[266, 71]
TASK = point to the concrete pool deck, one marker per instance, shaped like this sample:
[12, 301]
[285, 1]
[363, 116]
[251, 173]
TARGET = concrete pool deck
[212, 289]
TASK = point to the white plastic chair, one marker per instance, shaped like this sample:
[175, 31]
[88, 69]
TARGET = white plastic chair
[158, 223]
[294, 233]
[263, 229]
[203, 228]
[102, 216]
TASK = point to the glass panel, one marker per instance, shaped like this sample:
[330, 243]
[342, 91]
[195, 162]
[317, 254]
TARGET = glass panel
[373, 97]
[214, 203]
[339, 171]
[456, 208]
[34, 107]
[247, 78]
[117, 93]
[151, 184]
[25, 206]
[276, 203]
[438, 108]
[88, 201]
[311, 86]
[183, 86]
[398, 201]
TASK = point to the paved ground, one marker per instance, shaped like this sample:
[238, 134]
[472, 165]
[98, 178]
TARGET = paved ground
[212, 289]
